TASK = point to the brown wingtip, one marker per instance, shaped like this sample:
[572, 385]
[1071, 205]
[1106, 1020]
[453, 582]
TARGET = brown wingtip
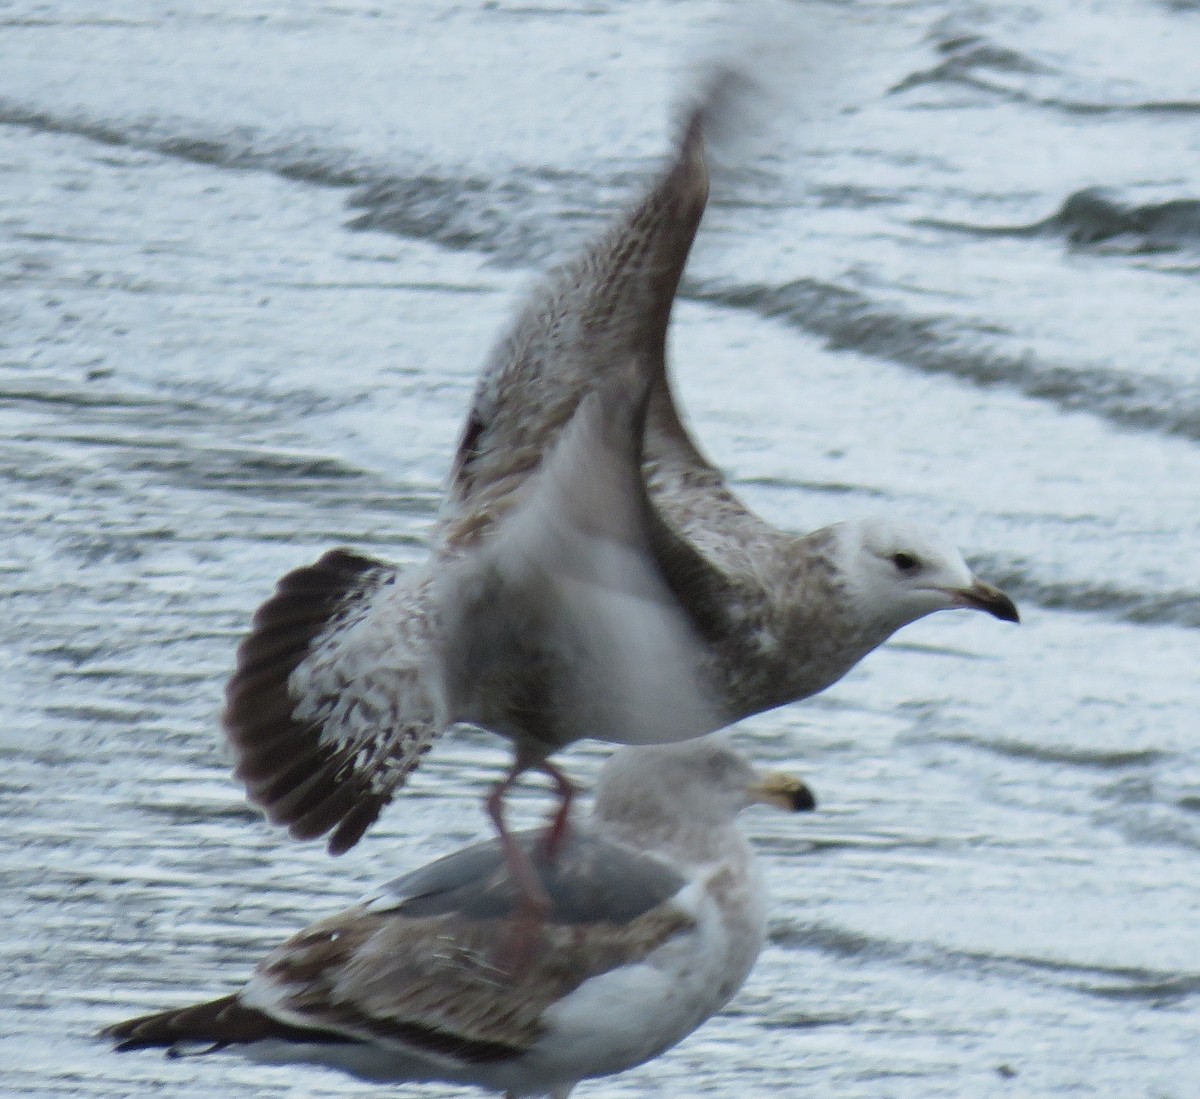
[216, 1023]
[723, 86]
[354, 824]
[717, 113]
[207, 1022]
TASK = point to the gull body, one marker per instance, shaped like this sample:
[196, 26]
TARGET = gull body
[658, 914]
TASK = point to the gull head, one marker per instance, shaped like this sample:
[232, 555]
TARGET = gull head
[897, 572]
[702, 782]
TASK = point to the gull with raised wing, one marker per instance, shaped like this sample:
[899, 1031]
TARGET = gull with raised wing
[354, 667]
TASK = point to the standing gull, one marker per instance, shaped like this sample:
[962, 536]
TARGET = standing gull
[353, 667]
[658, 914]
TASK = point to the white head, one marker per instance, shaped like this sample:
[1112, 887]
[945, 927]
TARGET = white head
[698, 783]
[897, 572]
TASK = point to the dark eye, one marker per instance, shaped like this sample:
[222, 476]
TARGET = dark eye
[905, 562]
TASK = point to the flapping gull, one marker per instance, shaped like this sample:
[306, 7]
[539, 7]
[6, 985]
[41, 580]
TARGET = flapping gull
[658, 915]
[332, 703]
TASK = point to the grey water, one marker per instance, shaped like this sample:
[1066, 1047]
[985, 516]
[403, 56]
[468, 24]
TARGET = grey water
[252, 254]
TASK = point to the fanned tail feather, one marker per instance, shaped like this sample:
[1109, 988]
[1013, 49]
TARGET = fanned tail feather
[309, 782]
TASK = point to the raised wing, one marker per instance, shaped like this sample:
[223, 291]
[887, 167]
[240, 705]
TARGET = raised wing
[608, 307]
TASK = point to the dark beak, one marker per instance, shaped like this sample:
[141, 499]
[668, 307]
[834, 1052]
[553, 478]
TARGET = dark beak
[983, 597]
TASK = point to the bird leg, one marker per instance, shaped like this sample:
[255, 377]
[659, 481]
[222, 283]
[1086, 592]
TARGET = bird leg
[532, 901]
[559, 824]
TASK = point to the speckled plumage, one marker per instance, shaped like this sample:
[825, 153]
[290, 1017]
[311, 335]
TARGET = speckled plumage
[657, 917]
[327, 722]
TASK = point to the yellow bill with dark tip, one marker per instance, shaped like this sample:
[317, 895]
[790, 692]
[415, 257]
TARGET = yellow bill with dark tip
[785, 792]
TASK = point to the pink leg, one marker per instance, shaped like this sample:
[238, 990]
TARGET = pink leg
[533, 903]
[559, 825]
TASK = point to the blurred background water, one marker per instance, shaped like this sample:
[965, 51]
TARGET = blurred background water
[252, 255]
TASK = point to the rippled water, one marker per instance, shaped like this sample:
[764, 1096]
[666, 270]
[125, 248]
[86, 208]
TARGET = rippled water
[252, 255]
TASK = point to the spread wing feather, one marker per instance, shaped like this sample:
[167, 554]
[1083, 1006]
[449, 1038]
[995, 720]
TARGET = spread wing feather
[326, 711]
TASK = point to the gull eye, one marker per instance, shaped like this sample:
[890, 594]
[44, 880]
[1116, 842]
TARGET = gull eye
[905, 562]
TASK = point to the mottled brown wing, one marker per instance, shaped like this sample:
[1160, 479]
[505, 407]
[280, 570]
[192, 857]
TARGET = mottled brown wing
[607, 307]
[327, 712]
[434, 982]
